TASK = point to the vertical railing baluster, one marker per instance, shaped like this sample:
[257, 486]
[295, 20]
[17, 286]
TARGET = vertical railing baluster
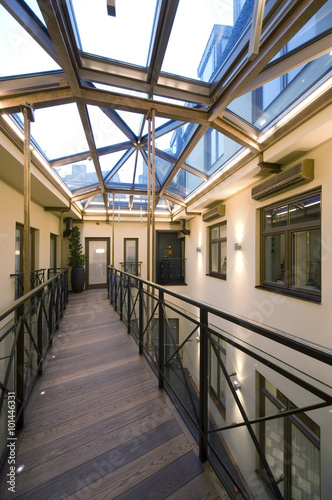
[203, 384]
[121, 296]
[128, 305]
[161, 338]
[140, 318]
[40, 330]
[116, 290]
[20, 368]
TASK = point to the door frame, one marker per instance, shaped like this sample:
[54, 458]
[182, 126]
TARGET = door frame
[108, 256]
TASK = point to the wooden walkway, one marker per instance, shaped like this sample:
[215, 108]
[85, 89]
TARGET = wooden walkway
[99, 427]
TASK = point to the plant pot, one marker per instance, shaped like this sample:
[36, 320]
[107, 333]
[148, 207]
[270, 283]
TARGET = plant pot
[77, 279]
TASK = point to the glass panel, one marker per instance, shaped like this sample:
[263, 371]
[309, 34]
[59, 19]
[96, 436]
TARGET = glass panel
[133, 120]
[223, 230]
[305, 469]
[125, 175]
[97, 262]
[78, 175]
[125, 37]
[174, 142]
[212, 151]
[274, 443]
[105, 132]
[276, 217]
[318, 24]
[223, 257]
[184, 183]
[33, 4]
[202, 38]
[264, 104]
[306, 259]
[58, 131]
[108, 162]
[305, 210]
[18, 248]
[163, 168]
[20, 54]
[130, 250]
[141, 172]
[214, 232]
[214, 267]
[275, 258]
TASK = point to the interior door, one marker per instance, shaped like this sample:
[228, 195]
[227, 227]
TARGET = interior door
[98, 258]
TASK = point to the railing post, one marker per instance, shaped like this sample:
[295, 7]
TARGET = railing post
[203, 384]
[121, 296]
[140, 317]
[115, 290]
[128, 306]
[40, 331]
[161, 338]
[20, 368]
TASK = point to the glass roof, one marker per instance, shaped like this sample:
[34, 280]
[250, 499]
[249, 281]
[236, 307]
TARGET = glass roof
[125, 37]
[17, 45]
[96, 80]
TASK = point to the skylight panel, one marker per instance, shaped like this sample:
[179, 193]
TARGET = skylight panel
[20, 54]
[203, 35]
[58, 131]
[125, 174]
[78, 175]
[125, 37]
[105, 132]
[212, 151]
[33, 4]
[265, 104]
[184, 183]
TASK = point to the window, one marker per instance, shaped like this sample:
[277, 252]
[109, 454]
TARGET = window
[53, 252]
[291, 445]
[131, 255]
[291, 246]
[217, 377]
[218, 250]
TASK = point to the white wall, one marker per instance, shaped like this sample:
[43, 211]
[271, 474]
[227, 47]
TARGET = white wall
[12, 212]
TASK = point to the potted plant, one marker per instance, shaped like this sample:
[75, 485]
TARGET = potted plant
[76, 260]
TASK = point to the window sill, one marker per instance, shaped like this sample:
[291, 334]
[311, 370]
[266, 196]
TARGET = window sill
[295, 294]
[218, 276]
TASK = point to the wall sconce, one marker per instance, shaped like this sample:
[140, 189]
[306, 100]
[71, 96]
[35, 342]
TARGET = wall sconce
[237, 246]
[198, 339]
[198, 249]
[236, 385]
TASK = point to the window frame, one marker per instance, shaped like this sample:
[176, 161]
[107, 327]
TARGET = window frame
[219, 274]
[288, 230]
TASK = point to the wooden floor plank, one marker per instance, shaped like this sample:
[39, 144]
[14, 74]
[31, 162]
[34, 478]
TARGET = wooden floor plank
[99, 426]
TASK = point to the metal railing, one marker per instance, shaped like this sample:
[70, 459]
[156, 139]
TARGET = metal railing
[36, 278]
[131, 267]
[191, 362]
[26, 332]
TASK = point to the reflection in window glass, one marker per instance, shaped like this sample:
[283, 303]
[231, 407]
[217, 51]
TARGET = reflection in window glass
[306, 259]
[184, 183]
[210, 35]
[276, 217]
[305, 210]
[264, 104]
[78, 175]
[275, 258]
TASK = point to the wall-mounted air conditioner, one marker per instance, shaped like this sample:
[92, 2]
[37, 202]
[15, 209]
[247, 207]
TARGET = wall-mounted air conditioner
[298, 174]
[214, 213]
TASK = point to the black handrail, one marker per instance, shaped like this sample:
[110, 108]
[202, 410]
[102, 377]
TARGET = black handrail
[130, 298]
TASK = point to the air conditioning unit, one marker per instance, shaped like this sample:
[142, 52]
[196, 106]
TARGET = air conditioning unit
[299, 174]
[214, 213]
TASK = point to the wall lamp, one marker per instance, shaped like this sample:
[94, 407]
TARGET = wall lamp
[198, 250]
[237, 246]
[236, 385]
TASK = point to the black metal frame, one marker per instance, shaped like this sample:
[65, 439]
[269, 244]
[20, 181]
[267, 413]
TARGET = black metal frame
[29, 325]
[150, 300]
